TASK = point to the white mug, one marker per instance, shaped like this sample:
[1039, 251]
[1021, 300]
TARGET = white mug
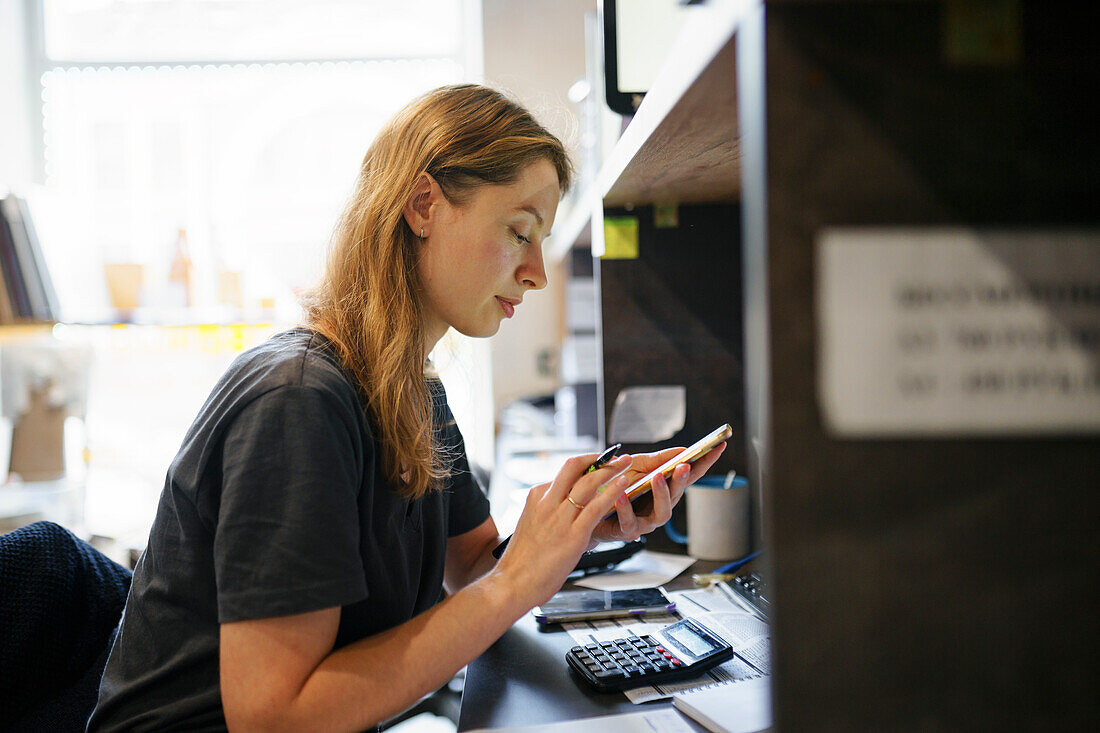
[717, 519]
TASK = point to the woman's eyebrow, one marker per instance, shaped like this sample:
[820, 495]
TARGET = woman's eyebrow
[533, 212]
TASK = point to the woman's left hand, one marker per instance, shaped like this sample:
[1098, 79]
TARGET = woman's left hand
[627, 525]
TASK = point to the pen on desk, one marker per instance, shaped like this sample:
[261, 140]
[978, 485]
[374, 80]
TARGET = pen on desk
[601, 461]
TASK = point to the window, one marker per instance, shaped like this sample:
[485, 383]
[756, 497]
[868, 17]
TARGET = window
[240, 123]
[166, 31]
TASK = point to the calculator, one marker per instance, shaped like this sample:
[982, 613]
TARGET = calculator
[678, 651]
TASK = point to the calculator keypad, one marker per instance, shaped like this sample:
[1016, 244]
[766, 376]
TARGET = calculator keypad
[623, 659]
[634, 661]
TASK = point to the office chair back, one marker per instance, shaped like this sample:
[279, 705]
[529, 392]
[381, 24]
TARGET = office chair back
[60, 601]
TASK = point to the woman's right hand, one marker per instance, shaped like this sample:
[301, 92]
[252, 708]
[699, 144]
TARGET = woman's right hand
[556, 526]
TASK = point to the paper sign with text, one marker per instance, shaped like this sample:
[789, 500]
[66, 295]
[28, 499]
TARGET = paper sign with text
[954, 331]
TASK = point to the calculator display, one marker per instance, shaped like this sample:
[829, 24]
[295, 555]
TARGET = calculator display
[688, 640]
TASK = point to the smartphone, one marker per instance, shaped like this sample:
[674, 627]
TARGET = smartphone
[688, 455]
[583, 605]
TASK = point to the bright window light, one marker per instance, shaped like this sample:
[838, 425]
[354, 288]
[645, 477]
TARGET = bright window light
[215, 117]
[253, 161]
[233, 30]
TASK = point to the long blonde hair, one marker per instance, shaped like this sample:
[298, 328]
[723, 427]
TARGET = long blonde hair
[368, 300]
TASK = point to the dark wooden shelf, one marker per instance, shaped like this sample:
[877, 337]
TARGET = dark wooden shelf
[682, 145]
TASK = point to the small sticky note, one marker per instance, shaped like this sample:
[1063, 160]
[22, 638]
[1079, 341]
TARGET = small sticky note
[983, 32]
[666, 216]
[620, 236]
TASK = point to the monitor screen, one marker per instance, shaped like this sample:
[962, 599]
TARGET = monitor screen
[637, 37]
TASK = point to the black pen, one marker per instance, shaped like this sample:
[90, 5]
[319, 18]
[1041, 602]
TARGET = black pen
[600, 462]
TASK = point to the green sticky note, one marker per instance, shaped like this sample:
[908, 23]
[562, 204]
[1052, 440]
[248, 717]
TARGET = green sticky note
[983, 32]
[666, 216]
[620, 238]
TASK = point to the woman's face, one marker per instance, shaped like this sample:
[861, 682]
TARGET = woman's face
[478, 260]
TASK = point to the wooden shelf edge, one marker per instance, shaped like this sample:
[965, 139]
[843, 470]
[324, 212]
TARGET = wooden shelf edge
[10, 332]
[706, 34]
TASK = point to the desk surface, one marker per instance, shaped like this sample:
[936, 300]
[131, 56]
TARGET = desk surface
[523, 678]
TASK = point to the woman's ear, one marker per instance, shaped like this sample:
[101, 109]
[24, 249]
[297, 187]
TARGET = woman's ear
[419, 205]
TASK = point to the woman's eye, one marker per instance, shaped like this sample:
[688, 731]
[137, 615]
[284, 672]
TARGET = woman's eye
[520, 238]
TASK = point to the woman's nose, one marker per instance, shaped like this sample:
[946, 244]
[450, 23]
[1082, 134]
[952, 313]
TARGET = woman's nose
[532, 273]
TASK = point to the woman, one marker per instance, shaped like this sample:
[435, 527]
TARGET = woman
[322, 501]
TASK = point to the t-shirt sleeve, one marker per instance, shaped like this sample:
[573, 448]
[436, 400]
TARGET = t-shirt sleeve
[287, 536]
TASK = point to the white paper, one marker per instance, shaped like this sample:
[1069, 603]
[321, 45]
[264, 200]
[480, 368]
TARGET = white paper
[648, 414]
[742, 707]
[712, 598]
[593, 632]
[665, 720]
[951, 331]
[644, 570]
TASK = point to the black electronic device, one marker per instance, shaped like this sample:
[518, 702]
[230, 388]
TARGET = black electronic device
[753, 589]
[679, 651]
[583, 605]
[607, 555]
[636, 39]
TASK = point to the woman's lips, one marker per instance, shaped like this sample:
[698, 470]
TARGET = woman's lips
[507, 307]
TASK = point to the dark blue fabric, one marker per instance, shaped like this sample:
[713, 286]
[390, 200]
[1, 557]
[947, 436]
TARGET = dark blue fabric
[60, 601]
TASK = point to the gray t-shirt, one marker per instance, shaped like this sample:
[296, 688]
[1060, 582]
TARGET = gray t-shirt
[276, 504]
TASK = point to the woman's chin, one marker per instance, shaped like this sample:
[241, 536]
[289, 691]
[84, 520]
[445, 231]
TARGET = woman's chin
[479, 331]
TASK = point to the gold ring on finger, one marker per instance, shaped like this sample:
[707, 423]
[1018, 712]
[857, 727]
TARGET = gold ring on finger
[570, 500]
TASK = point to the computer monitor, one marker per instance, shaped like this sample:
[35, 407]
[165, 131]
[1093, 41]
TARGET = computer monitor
[637, 35]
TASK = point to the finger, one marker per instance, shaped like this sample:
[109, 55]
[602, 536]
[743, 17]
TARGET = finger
[681, 479]
[662, 500]
[627, 519]
[596, 482]
[608, 530]
[602, 504]
[539, 490]
[571, 470]
[648, 461]
[704, 463]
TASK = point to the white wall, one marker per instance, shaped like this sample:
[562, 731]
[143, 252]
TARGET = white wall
[16, 161]
[535, 50]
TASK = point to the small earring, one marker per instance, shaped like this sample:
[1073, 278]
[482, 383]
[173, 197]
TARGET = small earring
[421, 232]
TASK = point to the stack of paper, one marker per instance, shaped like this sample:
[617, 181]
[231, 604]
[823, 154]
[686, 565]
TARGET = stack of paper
[730, 707]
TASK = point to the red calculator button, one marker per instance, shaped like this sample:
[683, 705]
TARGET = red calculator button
[661, 649]
[667, 655]
[675, 661]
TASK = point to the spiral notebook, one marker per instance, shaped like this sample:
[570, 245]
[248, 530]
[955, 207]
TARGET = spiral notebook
[744, 706]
